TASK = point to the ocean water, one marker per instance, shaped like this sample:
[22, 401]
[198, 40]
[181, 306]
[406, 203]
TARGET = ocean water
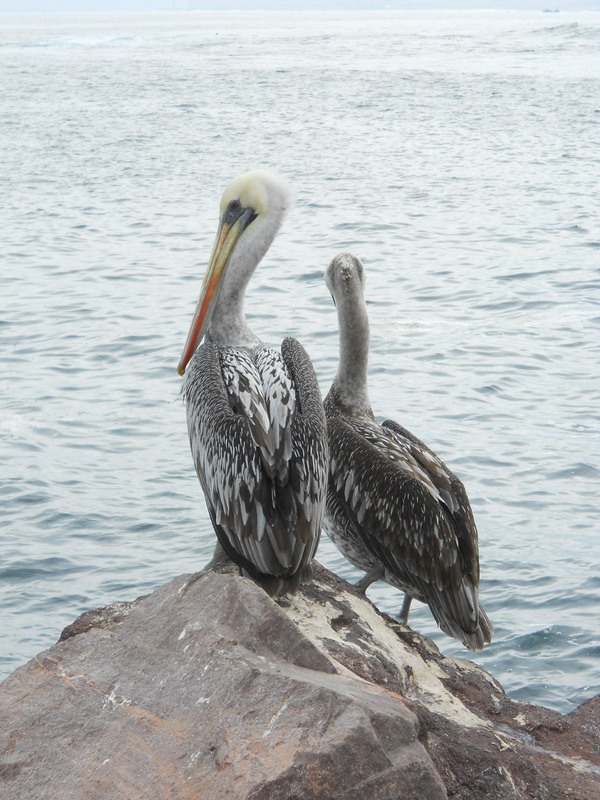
[458, 154]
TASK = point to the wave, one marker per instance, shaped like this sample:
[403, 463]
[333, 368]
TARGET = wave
[83, 42]
[570, 30]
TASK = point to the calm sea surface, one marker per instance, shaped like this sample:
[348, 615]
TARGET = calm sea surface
[457, 153]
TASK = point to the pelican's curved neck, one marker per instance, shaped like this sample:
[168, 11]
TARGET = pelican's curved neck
[351, 378]
[228, 326]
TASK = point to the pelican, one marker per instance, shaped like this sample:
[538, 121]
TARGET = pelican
[393, 507]
[255, 415]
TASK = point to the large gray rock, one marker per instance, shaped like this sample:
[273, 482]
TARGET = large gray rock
[208, 688]
[205, 689]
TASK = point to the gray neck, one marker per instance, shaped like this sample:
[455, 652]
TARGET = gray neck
[351, 379]
[228, 326]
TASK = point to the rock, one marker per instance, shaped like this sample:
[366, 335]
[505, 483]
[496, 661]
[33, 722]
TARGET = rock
[208, 688]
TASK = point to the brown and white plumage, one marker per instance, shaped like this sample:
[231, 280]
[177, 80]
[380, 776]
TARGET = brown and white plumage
[255, 415]
[393, 507]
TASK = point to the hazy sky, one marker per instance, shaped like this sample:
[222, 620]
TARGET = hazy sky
[286, 5]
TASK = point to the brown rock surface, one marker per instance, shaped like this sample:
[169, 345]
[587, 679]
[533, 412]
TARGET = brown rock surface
[207, 688]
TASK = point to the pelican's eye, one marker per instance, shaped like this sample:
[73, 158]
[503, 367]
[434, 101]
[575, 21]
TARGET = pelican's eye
[233, 212]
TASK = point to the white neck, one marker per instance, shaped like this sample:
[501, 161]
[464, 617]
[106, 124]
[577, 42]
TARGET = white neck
[228, 326]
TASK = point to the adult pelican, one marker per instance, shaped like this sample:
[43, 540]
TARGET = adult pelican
[393, 507]
[255, 415]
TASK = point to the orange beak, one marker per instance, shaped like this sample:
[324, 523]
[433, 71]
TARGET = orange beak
[227, 237]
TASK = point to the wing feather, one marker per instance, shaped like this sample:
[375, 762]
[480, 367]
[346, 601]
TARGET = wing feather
[308, 464]
[390, 508]
[392, 503]
[246, 433]
[451, 493]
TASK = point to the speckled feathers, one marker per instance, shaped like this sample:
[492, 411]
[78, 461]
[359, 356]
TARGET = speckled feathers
[392, 505]
[258, 438]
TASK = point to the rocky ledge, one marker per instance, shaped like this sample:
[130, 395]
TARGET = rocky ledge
[208, 688]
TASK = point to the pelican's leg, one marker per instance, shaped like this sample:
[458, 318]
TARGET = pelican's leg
[405, 609]
[219, 557]
[374, 574]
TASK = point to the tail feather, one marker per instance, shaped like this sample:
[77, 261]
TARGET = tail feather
[474, 639]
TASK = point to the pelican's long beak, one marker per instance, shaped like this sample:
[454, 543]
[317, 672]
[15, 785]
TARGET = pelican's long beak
[227, 236]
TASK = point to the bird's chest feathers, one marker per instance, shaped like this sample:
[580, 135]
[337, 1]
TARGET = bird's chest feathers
[259, 386]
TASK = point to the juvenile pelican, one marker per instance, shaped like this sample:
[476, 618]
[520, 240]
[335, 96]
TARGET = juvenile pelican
[393, 507]
[255, 415]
